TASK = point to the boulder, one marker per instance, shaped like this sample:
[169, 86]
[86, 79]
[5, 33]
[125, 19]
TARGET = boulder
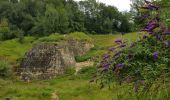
[47, 60]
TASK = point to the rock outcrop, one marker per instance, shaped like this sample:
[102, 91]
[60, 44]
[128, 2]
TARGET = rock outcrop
[47, 60]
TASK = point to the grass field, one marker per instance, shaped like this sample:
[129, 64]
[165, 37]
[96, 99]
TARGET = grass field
[73, 87]
[68, 87]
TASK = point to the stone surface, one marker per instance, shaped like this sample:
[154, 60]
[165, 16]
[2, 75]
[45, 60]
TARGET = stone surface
[47, 60]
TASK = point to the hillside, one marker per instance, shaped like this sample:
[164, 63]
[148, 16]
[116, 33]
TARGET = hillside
[78, 87]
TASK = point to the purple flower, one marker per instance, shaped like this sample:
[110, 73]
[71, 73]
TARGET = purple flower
[166, 43]
[157, 18]
[166, 32]
[158, 36]
[147, 30]
[145, 7]
[118, 41]
[155, 55]
[146, 16]
[120, 66]
[106, 56]
[122, 45]
[150, 7]
[111, 49]
[153, 7]
[106, 65]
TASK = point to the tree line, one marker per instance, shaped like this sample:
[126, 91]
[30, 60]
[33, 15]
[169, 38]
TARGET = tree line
[43, 17]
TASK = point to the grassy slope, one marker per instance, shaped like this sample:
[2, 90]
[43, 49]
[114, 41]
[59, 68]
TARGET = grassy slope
[13, 50]
[103, 42]
[68, 87]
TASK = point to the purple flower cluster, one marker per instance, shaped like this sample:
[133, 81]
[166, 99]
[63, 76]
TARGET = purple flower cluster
[115, 59]
[120, 66]
[166, 43]
[113, 54]
[166, 32]
[150, 6]
[155, 55]
[118, 41]
[151, 26]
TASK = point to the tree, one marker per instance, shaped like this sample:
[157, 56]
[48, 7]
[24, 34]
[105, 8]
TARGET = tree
[5, 32]
[76, 17]
[56, 20]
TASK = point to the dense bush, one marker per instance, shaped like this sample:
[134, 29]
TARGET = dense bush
[51, 38]
[143, 62]
[82, 58]
[5, 32]
[78, 36]
[5, 69]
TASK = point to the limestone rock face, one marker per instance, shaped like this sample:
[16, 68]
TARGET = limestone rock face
[47, 60]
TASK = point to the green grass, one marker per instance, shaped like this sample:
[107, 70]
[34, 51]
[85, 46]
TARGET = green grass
[74, 88]
[67, 88]
[103, 42]
[51, 38]
[78, 36]
[13, 50]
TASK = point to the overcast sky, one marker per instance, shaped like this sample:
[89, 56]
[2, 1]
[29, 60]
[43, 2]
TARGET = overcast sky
[122, 5]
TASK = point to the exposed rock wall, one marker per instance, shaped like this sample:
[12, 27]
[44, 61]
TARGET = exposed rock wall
[47, 60]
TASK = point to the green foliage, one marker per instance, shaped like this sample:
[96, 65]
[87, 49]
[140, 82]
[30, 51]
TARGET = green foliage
[69, 71]
[13, 50]
[87, 72]
[5, 69]
[41, 18]
[51, 38]
[76, 89]
[78, 36]
[165, 13]
[56, 20]
[82, 58]
[5, 32]
[93, 54]
[144, 62]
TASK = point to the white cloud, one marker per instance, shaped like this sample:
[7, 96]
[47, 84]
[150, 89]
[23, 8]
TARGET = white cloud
[122, 5]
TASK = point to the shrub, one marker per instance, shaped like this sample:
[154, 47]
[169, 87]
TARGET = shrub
[5, 69]
[51, 38]
[143, 62]
[78, 36]
[82, 58]
[5, 32]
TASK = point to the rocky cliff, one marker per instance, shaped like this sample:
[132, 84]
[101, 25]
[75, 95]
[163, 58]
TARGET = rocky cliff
[47, 60]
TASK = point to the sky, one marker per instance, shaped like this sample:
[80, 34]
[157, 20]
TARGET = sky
[122, 5]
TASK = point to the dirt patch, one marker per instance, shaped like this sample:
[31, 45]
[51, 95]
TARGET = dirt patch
[81, 65]
[54, 96]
